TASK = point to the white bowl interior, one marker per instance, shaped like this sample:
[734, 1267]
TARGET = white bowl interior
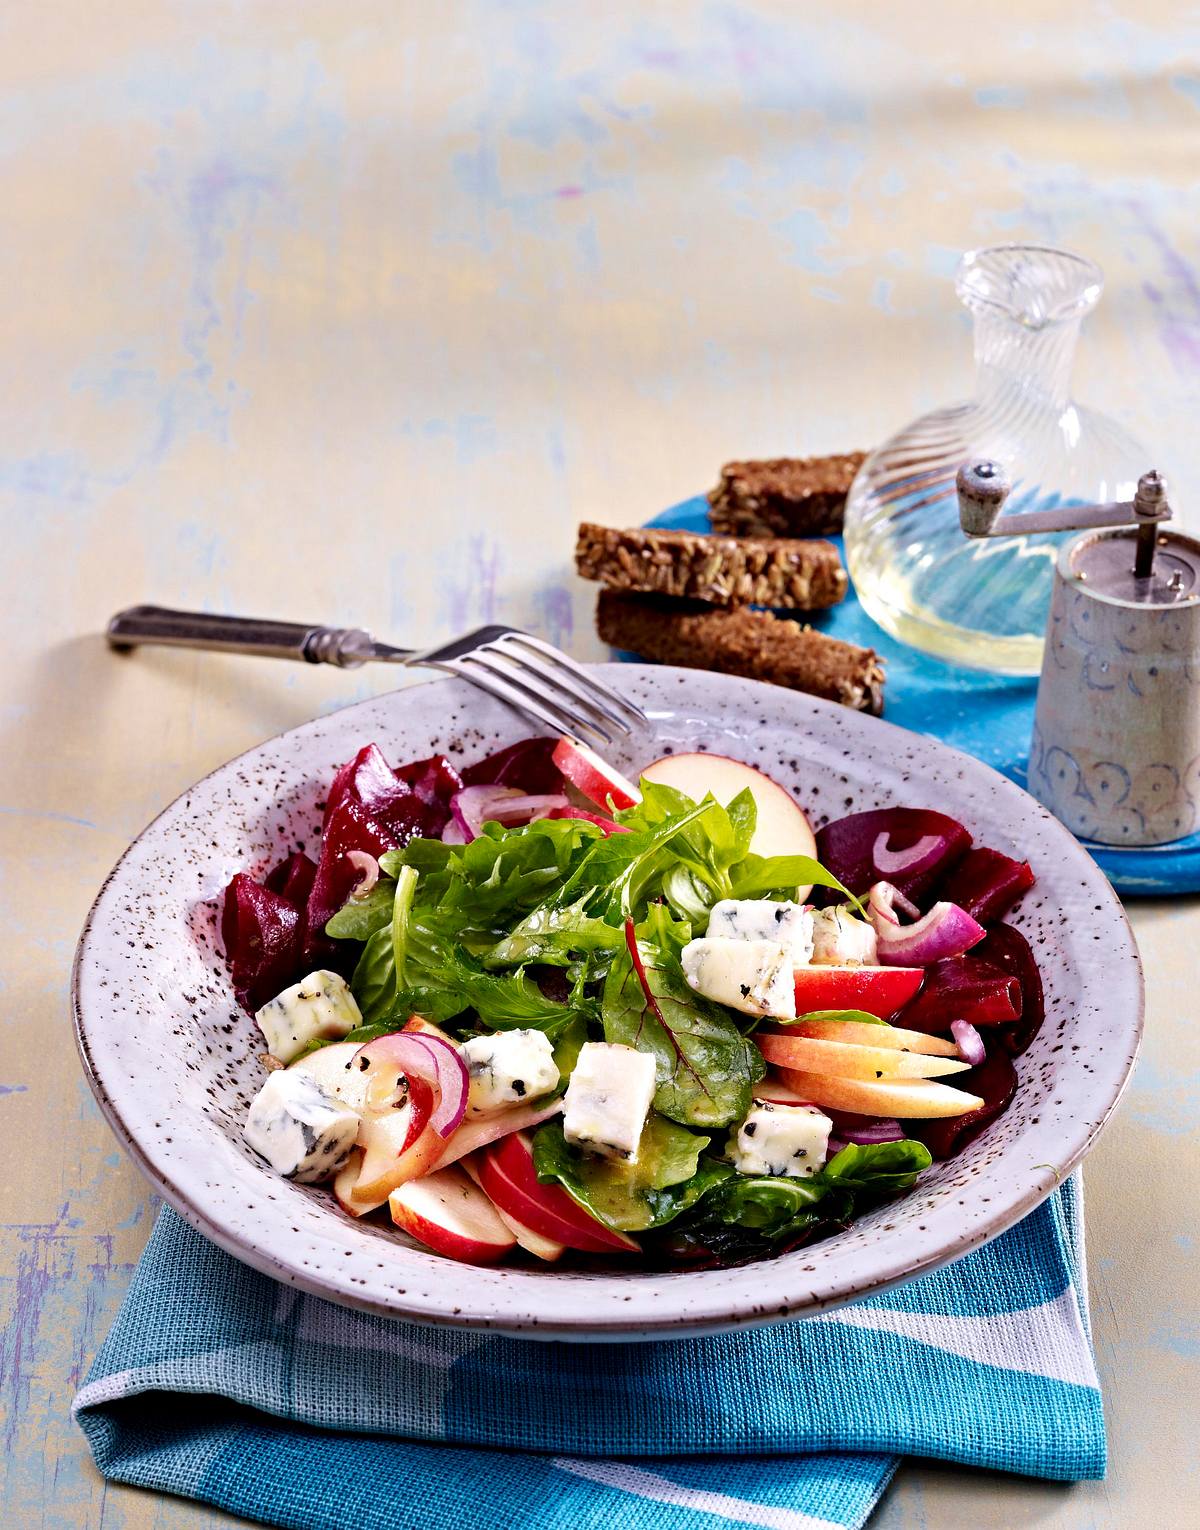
[173, 1060]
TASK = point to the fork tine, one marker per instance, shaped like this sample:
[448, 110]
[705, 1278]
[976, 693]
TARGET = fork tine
[584, 677]
[484, 679]
[570, 719]
[556, 678]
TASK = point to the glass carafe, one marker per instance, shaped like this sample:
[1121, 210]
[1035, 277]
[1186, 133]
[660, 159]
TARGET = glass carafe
[985, 603]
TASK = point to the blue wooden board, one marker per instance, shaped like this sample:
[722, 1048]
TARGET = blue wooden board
[984, 715]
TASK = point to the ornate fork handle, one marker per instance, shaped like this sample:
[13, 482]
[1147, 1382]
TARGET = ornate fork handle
[344, 647]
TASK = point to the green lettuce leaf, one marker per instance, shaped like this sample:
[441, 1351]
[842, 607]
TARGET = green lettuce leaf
[665, 1181]
[705, 1064]
[359, 918]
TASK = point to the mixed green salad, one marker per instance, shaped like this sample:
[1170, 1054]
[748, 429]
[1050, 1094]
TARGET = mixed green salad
[532, 1006]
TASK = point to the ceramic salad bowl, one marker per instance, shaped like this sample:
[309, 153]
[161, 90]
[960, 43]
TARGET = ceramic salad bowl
[174, 1062]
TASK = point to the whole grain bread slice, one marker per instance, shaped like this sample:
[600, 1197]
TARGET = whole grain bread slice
[721, 571]
[742, 642]
[783, 496]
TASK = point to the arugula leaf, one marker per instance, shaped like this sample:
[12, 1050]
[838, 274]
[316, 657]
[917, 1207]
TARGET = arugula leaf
[555, 937]
[705, 1065]
[359, 918]
[666, 1179]
[750, 1216]
[442, 981]
[618, 870]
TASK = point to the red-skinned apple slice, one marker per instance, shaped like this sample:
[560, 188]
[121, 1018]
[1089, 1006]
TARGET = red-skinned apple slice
[547, 1215]
[913, 1099]
[782, 827]
[874, 1036]
[877, 990]
[595, 778]
[449, 1214]
[398, 1145]
[532, 1242]
[840, 1059]
[478, 1132]
[547, 1209]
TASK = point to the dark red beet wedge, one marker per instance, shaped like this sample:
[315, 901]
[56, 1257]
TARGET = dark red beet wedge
[995, 1081]
[1006, 948]
[852, 848]
[963, 988]
[986, 883]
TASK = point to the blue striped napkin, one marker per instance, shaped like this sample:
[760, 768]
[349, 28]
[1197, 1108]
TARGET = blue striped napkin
[218, 1384]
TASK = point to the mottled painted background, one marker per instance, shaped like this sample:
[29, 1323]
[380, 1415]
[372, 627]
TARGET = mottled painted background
[351, 311]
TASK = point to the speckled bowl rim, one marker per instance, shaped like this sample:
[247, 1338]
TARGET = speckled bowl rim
[762, 1300]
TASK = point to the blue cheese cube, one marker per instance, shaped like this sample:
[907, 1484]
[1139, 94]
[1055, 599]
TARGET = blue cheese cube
[507, 1068]
[320, 1007]
[608, 1099]
[784, 924]
[841, 939]
[303, 1132]
[754, 976]
[780, 1139]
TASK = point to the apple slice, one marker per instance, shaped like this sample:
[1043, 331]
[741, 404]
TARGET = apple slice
[782, 828]
[506, 1172]
[874, 1036]
[915, 1099]
[878, 990]
[532, 1242]
[849, 1060]
[425, 1027]
[481, 1130]
[398, 1145]
[599, 781]
[446, 1212]
[343, 1187]
[331, 1068]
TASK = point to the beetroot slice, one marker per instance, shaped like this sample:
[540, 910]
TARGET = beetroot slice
[963, 988]
[350, 827]
[262, 933]
[986, 883]
[995, 1081]
[526, 765]
[434, 781]
[847, 847]
[293, 878]
[1007, 948]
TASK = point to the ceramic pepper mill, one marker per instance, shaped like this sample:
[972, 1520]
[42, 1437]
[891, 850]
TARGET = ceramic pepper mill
[1116, 736]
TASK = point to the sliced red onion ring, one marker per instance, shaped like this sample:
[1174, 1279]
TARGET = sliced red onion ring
[883, 1130]
[970, 1042]
[946, 930]
[883, 900]
[476, 805]
[927, 851]
[426, 1057]
[454, 834]
[368, 872]
[833, 1148]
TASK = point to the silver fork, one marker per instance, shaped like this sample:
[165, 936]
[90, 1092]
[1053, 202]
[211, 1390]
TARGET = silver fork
[534, 677]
